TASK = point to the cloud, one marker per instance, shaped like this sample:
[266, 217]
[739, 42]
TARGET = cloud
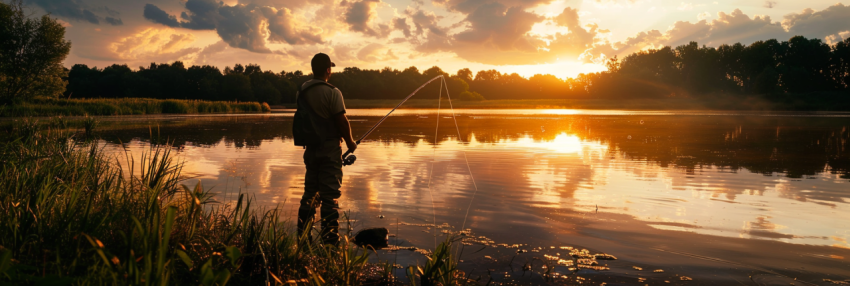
[156, 15]
[498, 35]
[468, 6]
[204, 55]
[75, 10]
[203, 14]
[360, 16]
[343, 53]
[375, 52]
[154, 45]
[284, 28]
[114, 21]
[245, 25]
[821, 24]
[493, 26]
[831, 25]
[400, 24]
[240, 27]
[769, 4]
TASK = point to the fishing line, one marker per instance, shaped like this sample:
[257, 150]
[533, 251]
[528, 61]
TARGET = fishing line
[391, 112]
[349, 158]
[460, 139]
[433, 161]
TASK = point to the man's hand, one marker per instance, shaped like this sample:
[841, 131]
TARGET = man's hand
[351, 145]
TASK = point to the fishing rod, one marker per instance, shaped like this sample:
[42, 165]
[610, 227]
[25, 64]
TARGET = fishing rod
[348, 158]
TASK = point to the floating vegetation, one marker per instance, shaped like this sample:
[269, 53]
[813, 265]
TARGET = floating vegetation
[603, 256]
[637, 268]
[417, 224]
[658, 270]
[685, 278]
[584, 253]
[594, 267]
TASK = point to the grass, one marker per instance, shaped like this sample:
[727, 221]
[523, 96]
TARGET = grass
[126, 106]
[71, 215]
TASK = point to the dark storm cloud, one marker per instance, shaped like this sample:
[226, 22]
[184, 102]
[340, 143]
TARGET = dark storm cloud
[75, 10]
[156, 15]
[243, 26]
[203, 14]
[114, 21]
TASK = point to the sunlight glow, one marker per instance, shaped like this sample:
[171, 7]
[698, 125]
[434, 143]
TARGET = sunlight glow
[562, 143]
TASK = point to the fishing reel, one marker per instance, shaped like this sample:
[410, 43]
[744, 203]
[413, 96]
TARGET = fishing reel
[349, 160]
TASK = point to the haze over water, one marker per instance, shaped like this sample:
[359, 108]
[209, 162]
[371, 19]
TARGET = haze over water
[693, 193]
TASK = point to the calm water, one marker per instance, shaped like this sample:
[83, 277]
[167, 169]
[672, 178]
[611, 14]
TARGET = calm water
[747, 198]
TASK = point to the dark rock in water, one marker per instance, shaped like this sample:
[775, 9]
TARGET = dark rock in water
[374, 237]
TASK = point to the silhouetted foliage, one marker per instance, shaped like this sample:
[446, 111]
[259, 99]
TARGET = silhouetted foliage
[771, 68]
[31, 55]
[245, 83]
[797, 70]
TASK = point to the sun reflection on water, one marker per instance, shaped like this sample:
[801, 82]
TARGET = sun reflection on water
[662, 176]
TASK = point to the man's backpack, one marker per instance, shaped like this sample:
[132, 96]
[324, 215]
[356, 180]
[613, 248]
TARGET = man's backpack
[308, 128]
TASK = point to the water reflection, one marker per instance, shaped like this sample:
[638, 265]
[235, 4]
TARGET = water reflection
[782, 178]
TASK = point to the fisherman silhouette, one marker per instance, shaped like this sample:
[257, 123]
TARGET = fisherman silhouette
[320, 125]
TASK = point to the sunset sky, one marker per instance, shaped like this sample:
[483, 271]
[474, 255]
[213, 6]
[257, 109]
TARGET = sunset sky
[560, 37]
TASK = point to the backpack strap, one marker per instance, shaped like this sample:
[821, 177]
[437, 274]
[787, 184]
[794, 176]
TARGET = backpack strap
[302, 92]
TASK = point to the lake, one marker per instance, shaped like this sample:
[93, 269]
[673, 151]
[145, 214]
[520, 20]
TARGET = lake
[717, 197]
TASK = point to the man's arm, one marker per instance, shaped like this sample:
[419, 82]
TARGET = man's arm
[344, 128]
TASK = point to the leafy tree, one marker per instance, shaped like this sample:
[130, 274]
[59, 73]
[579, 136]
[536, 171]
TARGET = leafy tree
[31, 54]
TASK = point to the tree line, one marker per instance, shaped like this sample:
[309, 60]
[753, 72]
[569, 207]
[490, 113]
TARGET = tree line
[799, 67]
[245, 83]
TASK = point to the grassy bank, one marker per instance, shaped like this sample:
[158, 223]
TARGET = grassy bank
[70, 215]
[126, 106]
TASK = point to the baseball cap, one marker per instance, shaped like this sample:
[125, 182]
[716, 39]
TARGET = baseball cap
[322, 61]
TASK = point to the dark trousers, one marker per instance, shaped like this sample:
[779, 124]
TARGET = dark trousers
[321, 188]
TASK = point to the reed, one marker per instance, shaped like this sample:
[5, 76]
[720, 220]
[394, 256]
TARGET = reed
[70, 214]
[127, 106]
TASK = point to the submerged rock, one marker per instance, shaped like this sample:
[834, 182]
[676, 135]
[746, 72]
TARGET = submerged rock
[375, 237]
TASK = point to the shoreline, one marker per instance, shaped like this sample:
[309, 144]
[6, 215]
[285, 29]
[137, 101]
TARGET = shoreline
[45, 107]
[693, 104]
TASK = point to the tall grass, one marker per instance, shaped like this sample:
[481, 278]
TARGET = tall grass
[72, 215]
[127, 106]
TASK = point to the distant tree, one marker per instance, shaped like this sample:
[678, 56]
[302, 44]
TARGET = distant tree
[841, 63]
[31, 54]
[465, 74]
[236, 86]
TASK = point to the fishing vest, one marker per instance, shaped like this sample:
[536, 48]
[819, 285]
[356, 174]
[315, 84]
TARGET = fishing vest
[308, 128]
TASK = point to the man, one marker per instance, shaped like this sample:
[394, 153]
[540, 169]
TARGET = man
[324, 159]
